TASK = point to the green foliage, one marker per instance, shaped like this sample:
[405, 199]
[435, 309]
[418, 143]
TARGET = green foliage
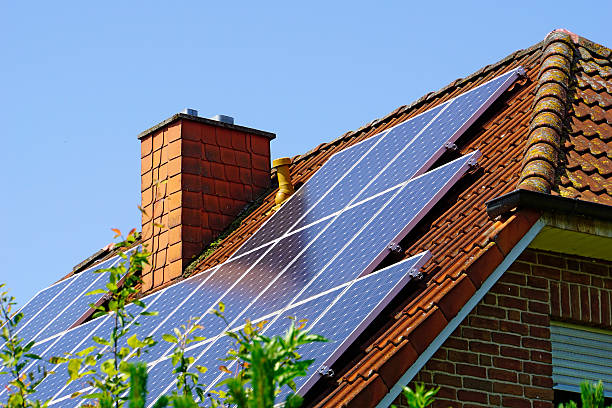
[266, 364]
[591, 395]
[105, 365]
[419, 398]
[15, 356]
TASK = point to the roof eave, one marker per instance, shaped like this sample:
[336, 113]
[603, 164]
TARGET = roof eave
[535, 200]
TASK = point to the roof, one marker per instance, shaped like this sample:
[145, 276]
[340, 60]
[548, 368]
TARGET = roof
[551, 132]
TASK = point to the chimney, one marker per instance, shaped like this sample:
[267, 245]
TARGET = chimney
[197, 174]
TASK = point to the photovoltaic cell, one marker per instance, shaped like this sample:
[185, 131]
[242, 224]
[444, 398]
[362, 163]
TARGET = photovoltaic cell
[305, 267]
[311, 192]
[455, 118]
[391, 224]
[381, 155]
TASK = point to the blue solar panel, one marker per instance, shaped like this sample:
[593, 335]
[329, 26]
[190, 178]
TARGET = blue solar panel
[382, 155]
[316, 256]
[308, 195]
[458, 115]
[391, 224]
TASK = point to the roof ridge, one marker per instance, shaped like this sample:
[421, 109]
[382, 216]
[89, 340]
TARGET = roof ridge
[550, 106]
[422, 100]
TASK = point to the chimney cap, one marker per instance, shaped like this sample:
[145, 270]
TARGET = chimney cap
[223, 119]
[189, 111]
[206, 121]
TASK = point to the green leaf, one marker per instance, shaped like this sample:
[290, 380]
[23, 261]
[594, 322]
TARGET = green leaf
[169, 338]
[96, 292]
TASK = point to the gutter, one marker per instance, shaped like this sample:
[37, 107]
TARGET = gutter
[546, 202]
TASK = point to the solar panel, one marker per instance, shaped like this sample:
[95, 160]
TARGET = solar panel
[70, 300]
[307, 196]
[390, 158]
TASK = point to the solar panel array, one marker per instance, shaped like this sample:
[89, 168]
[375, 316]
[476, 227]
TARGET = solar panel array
[315, 257]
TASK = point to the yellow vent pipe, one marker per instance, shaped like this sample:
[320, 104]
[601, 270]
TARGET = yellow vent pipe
[285, 187]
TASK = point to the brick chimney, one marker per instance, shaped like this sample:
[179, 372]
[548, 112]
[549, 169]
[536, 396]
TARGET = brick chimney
[197, 174]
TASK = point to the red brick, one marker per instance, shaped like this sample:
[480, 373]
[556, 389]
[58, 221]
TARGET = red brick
[490, 299]
[525, 379]
[507, 363]
[555, 299]
[216, 222]
[462, 357]
[445, 379]
[476, 334]
[514, 352]
[528, 255]
[521, 267]
[502, 375]
[191, 130]
[606, 314]
[191, 149]
[594, 268]
[535, 318]
[227, 156]
[512, 327]
[471, 370]
[208, 135]
[490, 311]
[565, 300]
[260, 178]
[217, 171]
[512, 302]
[541, 381]
[211, 203]
[546, 394]
[474, 396]
[456, 343]
[494, 400]
[245, 176]
[541, 356]
[222, 188]
[506, 338]
[537, 368]
[572, 277]
[514, 402]
[506, 388]
[484, 360]
[536, 343]
[224, 136]
[537, 282]
[477, 384]
[573, 264]
[539, 332]
[585, 304]
[547, 272]
[575, 301]
[540, 295]
[538, 307]
[595, 302]
[212, 153]
[232, 173]
[260, 162]
[239, 141]
[505, 289]
[543, 404]
[260, 145]
[484, 323]
[551, 260]
[514, 278]
[243, 159]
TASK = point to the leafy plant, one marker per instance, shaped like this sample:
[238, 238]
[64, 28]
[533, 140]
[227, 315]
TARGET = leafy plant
[591, 395]
[15, 356]
[105, 366]
[265, 364]
[420, 397]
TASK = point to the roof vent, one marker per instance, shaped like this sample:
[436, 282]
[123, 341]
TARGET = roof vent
[285, 186]
[223, 119]
[189, 111]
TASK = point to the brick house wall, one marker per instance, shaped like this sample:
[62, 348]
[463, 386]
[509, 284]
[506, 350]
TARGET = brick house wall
[500, 355]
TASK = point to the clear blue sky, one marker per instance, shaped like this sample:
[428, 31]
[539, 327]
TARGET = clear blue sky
[78, 83]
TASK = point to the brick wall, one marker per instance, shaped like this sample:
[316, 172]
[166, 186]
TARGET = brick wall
[500, 355]
[196, 176]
